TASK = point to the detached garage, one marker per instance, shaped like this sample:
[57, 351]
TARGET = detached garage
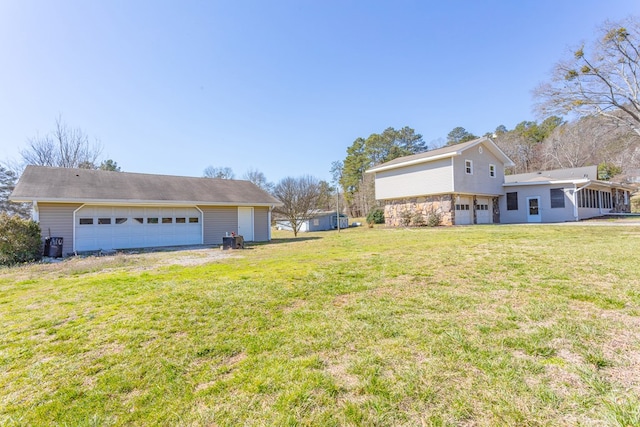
[93, 209]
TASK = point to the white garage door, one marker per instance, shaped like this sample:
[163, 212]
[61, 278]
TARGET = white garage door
[101, 227]
[484, 211]
[463, 211]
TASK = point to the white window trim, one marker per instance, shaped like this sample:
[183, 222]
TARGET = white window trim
[470, 163]
[492, 171]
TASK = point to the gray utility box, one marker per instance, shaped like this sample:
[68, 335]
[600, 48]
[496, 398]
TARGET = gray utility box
[53, 247]
[233, 242]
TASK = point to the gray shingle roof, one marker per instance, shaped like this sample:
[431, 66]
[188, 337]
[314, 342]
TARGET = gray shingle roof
[83, 185]
[586, 172]
[583, 174]
[449, 150]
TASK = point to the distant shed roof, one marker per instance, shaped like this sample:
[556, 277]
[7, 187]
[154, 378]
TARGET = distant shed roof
[41, 183]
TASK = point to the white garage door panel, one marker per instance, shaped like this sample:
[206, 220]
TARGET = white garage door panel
[484, 214]
[463, 208]
[125, 231]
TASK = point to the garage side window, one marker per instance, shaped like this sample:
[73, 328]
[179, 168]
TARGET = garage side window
[468, 167]
[86, 221]
[492, 171]
[557, 198]
[512, 201]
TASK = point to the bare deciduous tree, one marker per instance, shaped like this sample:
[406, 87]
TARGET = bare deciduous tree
[65, 147]
[604, 81]
[590, 141]
[566, 147]
[218, 172]
[258, 179]
[299, 197]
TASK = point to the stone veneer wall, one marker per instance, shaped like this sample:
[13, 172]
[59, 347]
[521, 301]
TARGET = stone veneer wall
[393, 209]
[618, 201]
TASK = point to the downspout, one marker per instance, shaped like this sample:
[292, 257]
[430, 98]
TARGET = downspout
[35, 211]
[575, 199]
[201, 225]
[269, 223]
[600, 202]
[73, 229]
[452, 208]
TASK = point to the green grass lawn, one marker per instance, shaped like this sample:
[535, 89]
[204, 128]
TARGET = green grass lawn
[475, 326]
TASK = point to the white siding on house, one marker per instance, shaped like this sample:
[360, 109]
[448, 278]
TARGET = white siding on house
[480, 182]
[56, 220]
[218, 221]
[426, 178]
[547, 213]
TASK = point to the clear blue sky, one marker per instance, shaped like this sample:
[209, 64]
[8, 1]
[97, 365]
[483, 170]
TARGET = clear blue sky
[171, 87]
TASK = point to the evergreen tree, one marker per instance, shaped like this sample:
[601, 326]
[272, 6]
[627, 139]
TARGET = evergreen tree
[8, 180]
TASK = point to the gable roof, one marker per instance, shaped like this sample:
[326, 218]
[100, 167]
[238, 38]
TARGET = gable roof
[441, 153]
[49, 184]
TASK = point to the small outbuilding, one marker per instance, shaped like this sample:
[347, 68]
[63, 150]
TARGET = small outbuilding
[319, 221]
[104, 210]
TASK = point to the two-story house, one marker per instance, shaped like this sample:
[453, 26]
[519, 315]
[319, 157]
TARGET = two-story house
[465, 184]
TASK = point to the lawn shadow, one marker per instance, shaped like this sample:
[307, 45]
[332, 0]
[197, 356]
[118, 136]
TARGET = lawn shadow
[285, 240]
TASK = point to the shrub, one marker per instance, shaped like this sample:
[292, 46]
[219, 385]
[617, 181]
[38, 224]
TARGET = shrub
[417, 220]
[20, 240]
[405, 218]
[434, 219]
[376, 216]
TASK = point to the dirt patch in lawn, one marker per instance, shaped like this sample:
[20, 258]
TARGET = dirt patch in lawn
[147, 259]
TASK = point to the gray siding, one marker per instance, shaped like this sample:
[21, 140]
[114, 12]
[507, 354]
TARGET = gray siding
[56, 220]
[218, 221]
[480, 182]
[323, 223]
[427, 178]
[327, 222]
[261, 224]
[547, 213]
